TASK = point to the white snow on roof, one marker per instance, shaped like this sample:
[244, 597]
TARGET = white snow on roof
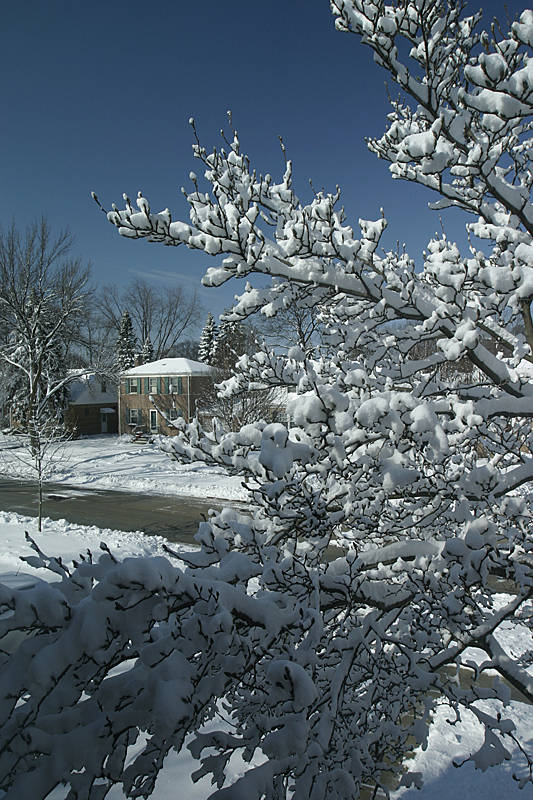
[87, 389]
[170, 366]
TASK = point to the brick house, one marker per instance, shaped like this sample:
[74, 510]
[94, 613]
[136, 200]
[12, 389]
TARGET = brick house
[159, 391]
[93, 405]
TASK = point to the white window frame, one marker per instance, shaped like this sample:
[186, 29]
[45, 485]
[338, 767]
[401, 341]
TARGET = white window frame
[152, 385]
[133, 382]
[153, 416]
[134, 411]
[174, 385]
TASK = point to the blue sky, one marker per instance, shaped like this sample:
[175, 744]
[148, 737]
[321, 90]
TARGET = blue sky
[98, 95]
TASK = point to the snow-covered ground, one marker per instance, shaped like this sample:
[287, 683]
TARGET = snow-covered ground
[110, 462]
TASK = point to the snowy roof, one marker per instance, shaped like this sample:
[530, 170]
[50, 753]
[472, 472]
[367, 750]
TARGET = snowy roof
[170, 366]
[87, 389]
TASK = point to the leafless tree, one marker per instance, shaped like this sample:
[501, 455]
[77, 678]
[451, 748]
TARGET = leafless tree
[42, 295]
[164, 314]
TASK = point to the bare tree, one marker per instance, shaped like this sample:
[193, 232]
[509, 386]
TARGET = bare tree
[164, 314]
[42, 295]
[295, 321]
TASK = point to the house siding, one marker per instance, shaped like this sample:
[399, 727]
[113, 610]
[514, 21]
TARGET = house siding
[165, 400]
[86, 419]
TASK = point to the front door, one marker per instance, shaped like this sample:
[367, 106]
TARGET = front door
[153, 419]
[103, 417]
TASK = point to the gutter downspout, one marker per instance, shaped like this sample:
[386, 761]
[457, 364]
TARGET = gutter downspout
[119, 410]
[189, 398]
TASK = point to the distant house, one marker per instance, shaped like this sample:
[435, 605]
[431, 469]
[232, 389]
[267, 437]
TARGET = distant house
[93, 405]
[155, 394]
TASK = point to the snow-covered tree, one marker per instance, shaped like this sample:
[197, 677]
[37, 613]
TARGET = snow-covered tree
[207, 340]
[125, 344]
[320, 663]
[41, 299]
[37, 343]
[147, 352]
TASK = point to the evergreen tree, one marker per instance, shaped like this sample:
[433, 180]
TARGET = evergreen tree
[125, 344]
[208, 340]
[232, 341]
[147, 352]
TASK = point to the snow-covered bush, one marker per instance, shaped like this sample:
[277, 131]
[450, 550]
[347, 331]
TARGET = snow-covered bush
[322, 626]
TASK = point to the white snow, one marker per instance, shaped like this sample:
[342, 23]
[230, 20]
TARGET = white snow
[89, 388]
[170, 366]
[112, 462]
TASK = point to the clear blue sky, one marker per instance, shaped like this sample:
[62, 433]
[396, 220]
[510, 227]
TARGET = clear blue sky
[98, 95]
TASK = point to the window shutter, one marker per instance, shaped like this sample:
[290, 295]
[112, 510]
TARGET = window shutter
[180, 385]
[127, 385]
[127, 415]
[167, 385]
[146, 386]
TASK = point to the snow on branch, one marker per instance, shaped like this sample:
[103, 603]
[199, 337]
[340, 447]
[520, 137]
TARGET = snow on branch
[386, 503]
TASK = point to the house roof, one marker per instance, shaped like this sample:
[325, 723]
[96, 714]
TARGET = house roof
[87, 390]
[169, 366]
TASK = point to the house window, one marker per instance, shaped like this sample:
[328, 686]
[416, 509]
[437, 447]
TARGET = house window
[104, 387]
[175, 385]
[153, 386]
[174, 414]
[132, 386]
[133, 416]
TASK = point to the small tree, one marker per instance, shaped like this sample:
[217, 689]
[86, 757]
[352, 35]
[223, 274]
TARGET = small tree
[207, 340]
[125, 344]
[40, 451]
[327, 664]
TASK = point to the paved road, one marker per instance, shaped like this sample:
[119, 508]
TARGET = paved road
[176, 518]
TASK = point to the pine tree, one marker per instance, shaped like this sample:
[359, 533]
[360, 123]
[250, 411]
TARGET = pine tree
[208, 340]
[232, 341]
[147, 352]
[125, 344]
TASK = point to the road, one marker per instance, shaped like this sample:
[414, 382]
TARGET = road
[176, 518]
